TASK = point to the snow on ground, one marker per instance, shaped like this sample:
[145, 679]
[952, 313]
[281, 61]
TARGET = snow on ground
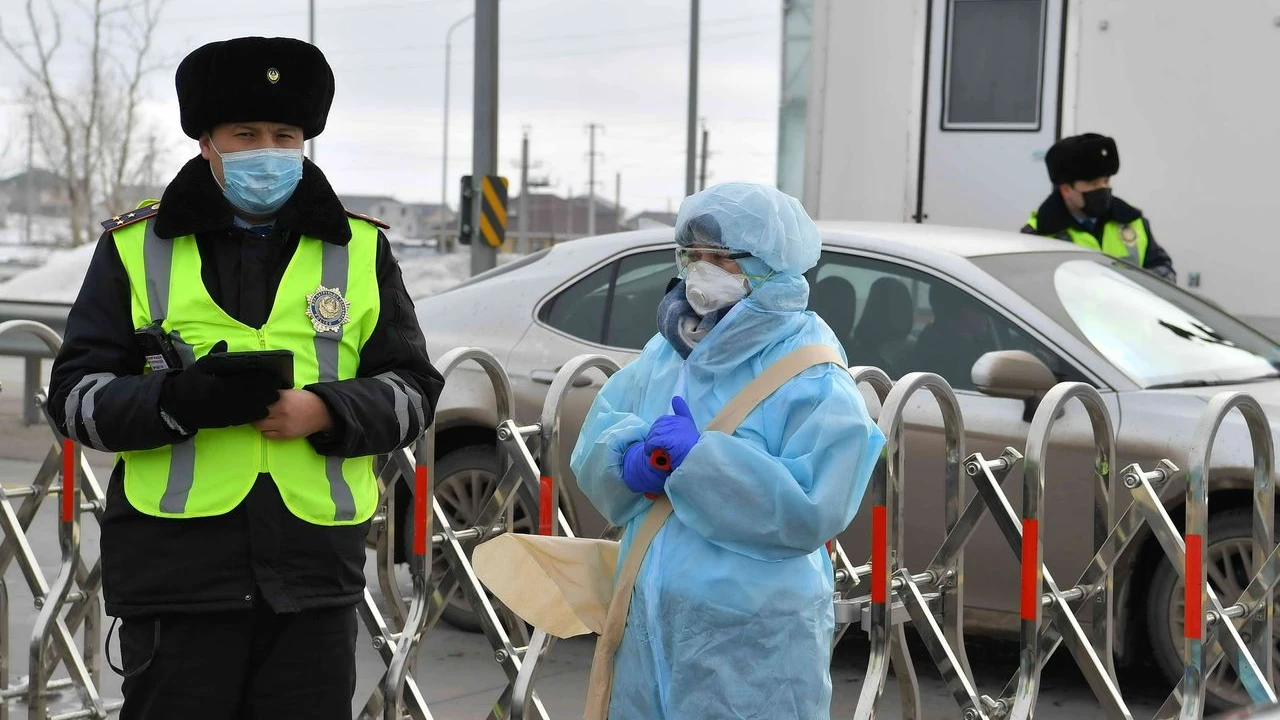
[59, 279]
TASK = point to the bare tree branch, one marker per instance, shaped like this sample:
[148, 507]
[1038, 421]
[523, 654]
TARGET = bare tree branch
[90, 129]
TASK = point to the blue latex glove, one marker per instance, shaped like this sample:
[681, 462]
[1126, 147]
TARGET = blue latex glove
[639, 475]
[677, 434]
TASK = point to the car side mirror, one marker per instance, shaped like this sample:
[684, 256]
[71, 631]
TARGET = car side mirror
[1013, 374]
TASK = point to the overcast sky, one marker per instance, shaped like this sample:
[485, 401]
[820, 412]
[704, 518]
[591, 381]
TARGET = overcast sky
[564, 63]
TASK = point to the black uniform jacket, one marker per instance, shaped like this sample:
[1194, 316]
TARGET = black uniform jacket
[259, 551]
[1053, 219]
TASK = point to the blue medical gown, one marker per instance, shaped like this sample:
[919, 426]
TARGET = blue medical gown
[732, 613]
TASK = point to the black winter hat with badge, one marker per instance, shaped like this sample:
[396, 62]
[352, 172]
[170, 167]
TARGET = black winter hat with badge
[255, 79]
[1082, 157]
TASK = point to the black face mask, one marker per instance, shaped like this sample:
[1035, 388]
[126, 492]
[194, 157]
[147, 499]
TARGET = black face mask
[1097, 203]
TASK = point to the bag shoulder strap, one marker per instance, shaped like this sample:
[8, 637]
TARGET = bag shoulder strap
[600, 687]
[770, 381]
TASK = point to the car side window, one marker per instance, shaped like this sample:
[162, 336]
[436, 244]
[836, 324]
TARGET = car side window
[638, 288]
[579, 309]
[902, 321]
[617, 304]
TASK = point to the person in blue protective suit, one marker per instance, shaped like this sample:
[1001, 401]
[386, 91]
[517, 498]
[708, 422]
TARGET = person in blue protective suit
[732, 612]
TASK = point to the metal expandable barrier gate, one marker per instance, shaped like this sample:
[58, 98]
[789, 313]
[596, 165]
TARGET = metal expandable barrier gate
[397, 624]
[931, 599]
[72, 601]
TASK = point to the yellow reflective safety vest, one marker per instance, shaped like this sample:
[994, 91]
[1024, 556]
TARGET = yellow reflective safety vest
[1127, 241]
[214, 470]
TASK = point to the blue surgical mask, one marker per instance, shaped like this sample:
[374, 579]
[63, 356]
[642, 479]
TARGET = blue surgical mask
[258, 182]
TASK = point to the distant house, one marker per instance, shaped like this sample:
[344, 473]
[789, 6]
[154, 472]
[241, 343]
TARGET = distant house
[364, 204]
[563, 218]
[408, 221]
[43, 190]
[651, 219]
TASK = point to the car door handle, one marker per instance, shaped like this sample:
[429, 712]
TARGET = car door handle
[546, 377]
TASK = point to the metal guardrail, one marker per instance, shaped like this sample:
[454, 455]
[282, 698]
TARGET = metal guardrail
[73, 599]
[30, 348]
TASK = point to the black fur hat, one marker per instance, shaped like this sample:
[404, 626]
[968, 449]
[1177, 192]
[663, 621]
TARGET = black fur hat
[255, 79]
[1082, 157]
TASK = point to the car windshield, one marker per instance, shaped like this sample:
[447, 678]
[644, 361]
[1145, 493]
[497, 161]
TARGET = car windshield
[1152, 331]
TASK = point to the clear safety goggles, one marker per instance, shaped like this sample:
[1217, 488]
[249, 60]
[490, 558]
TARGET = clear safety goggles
[716, 256]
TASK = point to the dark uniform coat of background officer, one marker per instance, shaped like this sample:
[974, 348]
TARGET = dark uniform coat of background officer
[1092, 157]
[249, 614]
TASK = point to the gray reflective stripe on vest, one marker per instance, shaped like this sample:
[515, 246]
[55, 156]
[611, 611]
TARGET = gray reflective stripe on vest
[333, 274]
[157, 256]
[79, 408]
[405, 398]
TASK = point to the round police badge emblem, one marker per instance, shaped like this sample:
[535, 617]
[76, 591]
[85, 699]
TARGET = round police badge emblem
[328, 310]
[273, 76]
[1129, 235]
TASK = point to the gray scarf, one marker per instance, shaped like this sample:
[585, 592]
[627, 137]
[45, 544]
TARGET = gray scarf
[680, 325]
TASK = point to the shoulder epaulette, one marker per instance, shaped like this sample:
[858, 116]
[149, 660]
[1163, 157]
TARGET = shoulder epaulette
[143, 212]
[369, 219]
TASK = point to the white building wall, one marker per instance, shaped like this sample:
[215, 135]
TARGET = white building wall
[863, 111]
[1189, 90]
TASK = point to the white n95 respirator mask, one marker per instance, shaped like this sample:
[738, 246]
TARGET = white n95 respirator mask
[709, 287]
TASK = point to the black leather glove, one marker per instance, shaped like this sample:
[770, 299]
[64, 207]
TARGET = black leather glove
[197, 400]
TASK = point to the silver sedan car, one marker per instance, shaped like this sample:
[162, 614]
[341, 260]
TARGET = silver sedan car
[911, 298]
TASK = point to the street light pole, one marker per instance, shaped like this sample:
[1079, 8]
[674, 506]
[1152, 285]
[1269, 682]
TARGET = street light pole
[691, 145]
[441, 245]
[484, 140]
[311, 22]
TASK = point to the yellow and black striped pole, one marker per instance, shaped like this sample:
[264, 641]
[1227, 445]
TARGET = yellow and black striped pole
[493, 210]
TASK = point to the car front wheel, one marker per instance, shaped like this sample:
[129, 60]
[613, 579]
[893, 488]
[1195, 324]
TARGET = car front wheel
[466, 478]
[1230, 558]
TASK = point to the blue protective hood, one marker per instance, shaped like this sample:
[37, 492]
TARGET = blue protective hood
[754, 218]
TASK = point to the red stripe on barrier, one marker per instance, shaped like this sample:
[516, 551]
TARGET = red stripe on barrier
[1194, 618]
[545, 511]
[420, 492]
[1030, 569]
[68, 480]
[879, 553]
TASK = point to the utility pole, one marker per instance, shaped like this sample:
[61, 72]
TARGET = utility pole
[617, 201]
[311, 22]
[569, 230]
[702, 176]
[691, 141]
[591, 179]
[484, 141]
[522, 240]
[31, 179]
[442, 244]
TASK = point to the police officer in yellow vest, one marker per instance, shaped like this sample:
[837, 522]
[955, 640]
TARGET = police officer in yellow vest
[1081, 208]
[233, 541]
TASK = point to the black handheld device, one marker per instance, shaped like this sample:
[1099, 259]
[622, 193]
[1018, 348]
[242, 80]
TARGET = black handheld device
[279, 362]
[157, 348]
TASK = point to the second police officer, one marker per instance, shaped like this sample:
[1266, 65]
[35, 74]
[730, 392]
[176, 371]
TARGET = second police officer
[1082, 209]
